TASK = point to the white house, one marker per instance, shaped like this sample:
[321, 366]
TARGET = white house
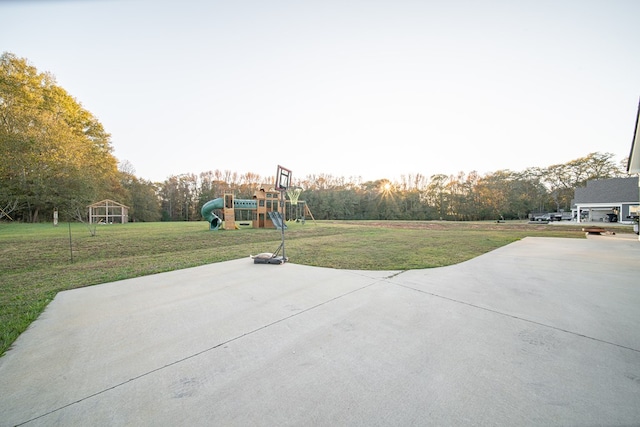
[633, 165]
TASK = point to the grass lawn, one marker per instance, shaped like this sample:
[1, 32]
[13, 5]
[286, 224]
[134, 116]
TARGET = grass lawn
[39, 260]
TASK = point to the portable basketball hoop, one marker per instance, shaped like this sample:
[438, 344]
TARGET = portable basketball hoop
[283, 181]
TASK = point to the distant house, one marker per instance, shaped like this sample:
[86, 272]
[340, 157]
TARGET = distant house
[602, 198]
[108, 212]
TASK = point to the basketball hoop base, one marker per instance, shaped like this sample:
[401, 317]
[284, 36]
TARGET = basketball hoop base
[273, 260]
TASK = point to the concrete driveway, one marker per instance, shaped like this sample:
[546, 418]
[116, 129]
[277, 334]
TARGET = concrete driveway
[544, 331]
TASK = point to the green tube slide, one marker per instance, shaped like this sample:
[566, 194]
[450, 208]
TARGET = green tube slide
[207, 212]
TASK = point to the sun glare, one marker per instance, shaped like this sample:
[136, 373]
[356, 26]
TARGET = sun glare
[386, 189]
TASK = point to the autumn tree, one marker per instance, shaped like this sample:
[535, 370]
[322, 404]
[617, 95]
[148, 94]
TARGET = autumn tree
[437, 194]
[54, 154]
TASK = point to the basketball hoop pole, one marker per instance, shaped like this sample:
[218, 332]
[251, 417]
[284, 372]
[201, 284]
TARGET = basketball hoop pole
[284, 256]
[281, 247]
[283, 181]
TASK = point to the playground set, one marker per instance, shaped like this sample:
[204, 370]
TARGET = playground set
[267, 209]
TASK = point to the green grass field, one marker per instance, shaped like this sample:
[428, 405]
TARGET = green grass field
[39, 260]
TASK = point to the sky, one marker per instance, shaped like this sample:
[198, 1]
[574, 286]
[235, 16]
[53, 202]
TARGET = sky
[358, 89]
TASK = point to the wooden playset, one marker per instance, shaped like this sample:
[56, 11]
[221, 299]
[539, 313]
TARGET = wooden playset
[267, 208]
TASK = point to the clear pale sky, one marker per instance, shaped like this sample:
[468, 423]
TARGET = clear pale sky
[373, 89]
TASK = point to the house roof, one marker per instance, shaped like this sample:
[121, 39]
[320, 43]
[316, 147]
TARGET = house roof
[633, 165]
[613, 190]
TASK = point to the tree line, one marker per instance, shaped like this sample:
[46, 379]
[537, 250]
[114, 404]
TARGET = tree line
[55, 155]
[462, 197]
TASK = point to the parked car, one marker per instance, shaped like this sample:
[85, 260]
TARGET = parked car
[553, 216]
[543, 217]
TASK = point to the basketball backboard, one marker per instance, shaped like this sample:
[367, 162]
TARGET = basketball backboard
[283, 178]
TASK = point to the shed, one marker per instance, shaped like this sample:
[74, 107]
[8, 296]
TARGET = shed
[601, 197]
[108, 212]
